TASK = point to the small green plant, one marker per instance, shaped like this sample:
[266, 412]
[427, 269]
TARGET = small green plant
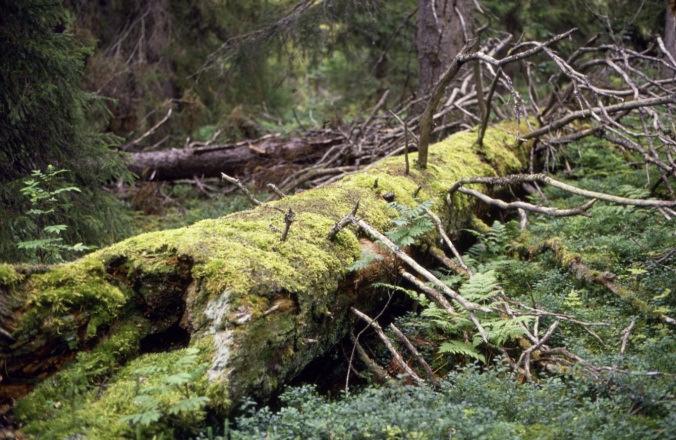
[411, 224]
[492, 244]
[45, 193]
[170, 395]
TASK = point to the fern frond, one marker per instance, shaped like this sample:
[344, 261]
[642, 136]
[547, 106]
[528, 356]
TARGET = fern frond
[500, 330]
[480, 287]
[415, 296]
[411, 224]
[442, 320]
[367, 257]
[461, 348]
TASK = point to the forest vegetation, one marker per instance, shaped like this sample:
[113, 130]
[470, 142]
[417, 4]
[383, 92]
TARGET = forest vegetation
[333, 219]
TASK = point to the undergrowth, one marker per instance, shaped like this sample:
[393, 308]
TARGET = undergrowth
[470, 404]
[480, 397]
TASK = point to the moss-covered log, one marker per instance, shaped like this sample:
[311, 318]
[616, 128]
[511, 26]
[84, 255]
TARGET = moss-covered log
[254, 310]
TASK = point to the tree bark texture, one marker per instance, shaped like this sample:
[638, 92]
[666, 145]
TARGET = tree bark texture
[670, 28]
[233, 159]
[439, 37]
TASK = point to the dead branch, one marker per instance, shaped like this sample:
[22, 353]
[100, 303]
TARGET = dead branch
[447, 240]
[469, 306]
[379, 372]
[416, 355]
[432, 293]
[342, 223]
[526, 354]
[487, 113]
[543, 178]
[390, 347]
[278, 192]
[242, 188]
[625, 336]
[289, 217]
[594, 111]
[153, 129]
[441, 257]
[553, 212]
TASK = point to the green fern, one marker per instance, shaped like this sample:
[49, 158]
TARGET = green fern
[480, 287]
[366, 258]
[502, 330]
[411, 224]
[170, 393]
[444, 321]
[419, 298]
[494, 242]
[461, 348]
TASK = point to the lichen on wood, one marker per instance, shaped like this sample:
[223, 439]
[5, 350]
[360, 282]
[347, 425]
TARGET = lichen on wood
[258, 308]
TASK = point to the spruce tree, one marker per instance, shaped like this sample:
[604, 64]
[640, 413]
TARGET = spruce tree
[47, 118]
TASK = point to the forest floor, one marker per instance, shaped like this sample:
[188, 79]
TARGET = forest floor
[622, 388]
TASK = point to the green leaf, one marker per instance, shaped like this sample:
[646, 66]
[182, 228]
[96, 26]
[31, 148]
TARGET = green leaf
[367, 257]
[178, 379]
[461, 348]
[189, 405]
[145, 418]
[55, 229]
[38, 244]
[480, 287]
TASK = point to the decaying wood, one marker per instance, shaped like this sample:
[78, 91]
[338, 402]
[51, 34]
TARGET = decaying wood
[606, 279]
[229, 284]
[234, 159]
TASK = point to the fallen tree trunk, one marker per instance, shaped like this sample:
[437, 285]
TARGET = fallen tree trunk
[254, 309]
[238, 158]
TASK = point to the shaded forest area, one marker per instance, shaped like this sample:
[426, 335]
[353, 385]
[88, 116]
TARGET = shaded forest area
[396, 219]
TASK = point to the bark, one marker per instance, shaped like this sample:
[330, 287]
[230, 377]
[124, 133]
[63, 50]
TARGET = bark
[257, 308]
[439, 37]
[670, 28]
[234, 159]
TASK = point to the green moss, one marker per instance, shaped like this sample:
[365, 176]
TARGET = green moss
[8, 275]
[51, 406]
[100, 413]
[68, 295]
[239, 260]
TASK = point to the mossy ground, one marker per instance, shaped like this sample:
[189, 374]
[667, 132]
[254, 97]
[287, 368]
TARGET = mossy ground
[93, 395]
[488, 400]
[238, 257]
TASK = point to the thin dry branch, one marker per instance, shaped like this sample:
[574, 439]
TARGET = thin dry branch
[545, 179]
[416, 355]
[625, 336]
[440, 228]
[242, 188]
[390, 347]
[467, 305]
[519, 205]
[129, 145]
[278, 192]
[594, 111]
[379, 372]
[432, 293]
